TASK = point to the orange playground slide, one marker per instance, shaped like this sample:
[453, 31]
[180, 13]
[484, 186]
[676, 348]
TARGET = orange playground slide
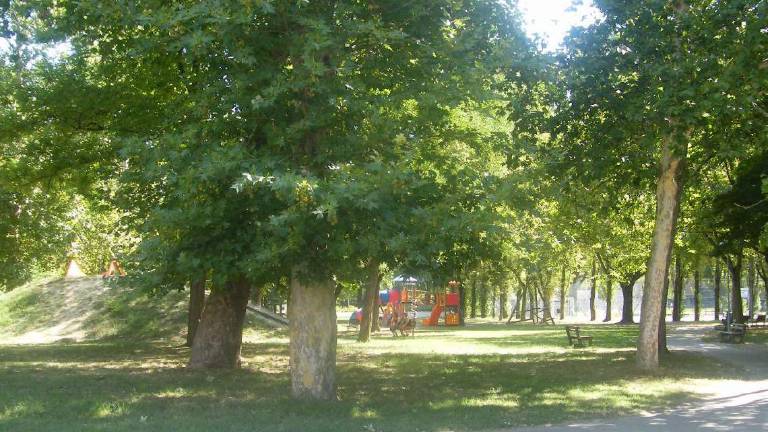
[435, 316]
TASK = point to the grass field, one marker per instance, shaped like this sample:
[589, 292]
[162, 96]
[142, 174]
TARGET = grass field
[484, 376]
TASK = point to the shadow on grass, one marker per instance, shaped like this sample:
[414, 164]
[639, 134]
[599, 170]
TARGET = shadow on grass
[109, 386]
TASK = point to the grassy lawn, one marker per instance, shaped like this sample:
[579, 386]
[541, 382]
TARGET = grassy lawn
[483, 376]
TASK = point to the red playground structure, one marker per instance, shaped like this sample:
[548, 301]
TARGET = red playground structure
[447, 306]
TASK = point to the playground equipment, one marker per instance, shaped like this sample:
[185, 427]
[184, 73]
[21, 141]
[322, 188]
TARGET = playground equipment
[398, 311]
[447, 305]
[114, 269]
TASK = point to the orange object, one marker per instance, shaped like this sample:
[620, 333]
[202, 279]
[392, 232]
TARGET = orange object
[435, 316]
[452, 319]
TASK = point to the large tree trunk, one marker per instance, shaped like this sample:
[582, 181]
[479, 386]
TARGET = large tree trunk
[737, 308]
[312, 313]
[563, 290]
[627, 293]
[608, 297]
[696, 295]
[718, 279]
[677, 291]
[546, 303]
[669, 189]
[369, 306]
[195, 310]
[220, 334]
[593, 293]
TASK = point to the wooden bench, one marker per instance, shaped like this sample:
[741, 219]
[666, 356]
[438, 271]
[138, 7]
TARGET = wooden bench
[735, 334]
[576, 339]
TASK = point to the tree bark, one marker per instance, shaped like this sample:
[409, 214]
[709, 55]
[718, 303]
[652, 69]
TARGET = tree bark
[195, 310]
[503, 300]
[369, 305]
[483, 298]
[312, 313]
[662, 339]
[669, 189]
[563, 290]
[696, 295]
[627, 293]
[462, 302]
[751, 286]
[677, 291]
[734, 268]
[219, 335]
[473, 298]
[718, 280]
[593, 292]
[608, 298]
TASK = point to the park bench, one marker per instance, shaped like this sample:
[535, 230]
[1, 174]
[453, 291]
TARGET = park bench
[734, 334]
[759, 321]
[576, 339]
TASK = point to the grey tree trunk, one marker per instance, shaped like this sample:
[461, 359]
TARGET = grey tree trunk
[669, 189]
[473, 298]
[677, 291]
[220, 334]
[627, 293]
[737, 308]
[369, 305]
[752, 286]
[696, 295]
[563, 290]
[593, 292]
[312, 313]
[662, 339]
[462, 302]
[718, 281]
[608, 298]
[503, 300]
[195, 310]
[483, 298]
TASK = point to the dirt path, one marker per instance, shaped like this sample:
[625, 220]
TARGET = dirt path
[738, 405]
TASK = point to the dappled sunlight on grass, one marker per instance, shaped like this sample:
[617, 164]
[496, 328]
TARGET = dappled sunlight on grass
[439, 380]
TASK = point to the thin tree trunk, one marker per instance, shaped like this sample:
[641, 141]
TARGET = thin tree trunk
[503, 300]
[737, 308]
[462, 302]
[677, 291]
[696, 295]
[563, 290]
[369, 307]
[669, 188]
[523, 301]
[718, 281]
[483, 298]
[751, 285]
[473, 297]
[312, 310]
[195, 310]
[662, 339]
[593, 292]
[219, 335]
[608, 297]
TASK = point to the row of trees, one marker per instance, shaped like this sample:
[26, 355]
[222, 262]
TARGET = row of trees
[311, 147]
